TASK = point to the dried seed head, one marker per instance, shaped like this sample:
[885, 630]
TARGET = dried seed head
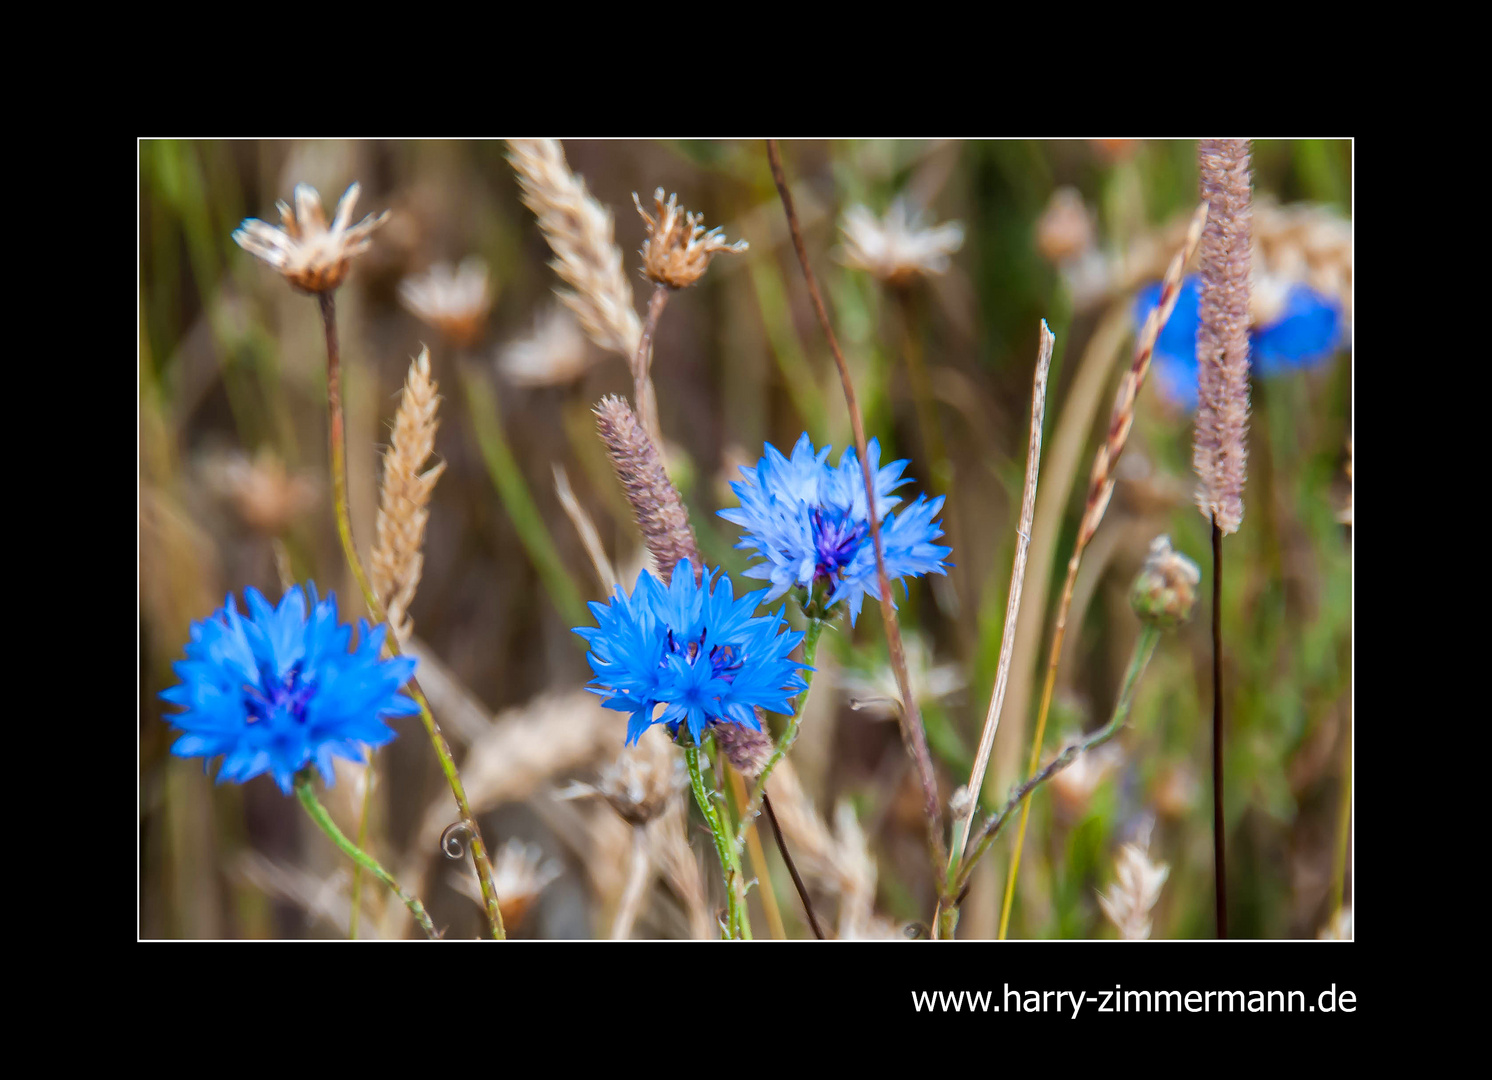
[655, 501]
[308, 253]
[678, 250]
[404, 498]
[454, 302]
[519, 873]
[1175, 791]
[555, 354]
[1136, 889]
[1340, 927]
[1065, 229]
[877, 693]
[747, 749]
[580, 232]
[639, 782]
[1220, 451]
[262, 492]
[897, 248]
[1165, 590]
[1074, 786]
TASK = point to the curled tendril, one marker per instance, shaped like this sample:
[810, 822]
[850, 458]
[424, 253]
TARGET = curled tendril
[450, 840]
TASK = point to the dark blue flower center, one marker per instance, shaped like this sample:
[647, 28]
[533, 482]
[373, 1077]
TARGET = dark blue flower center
[836, 538]
[286, 696]
[724, 660]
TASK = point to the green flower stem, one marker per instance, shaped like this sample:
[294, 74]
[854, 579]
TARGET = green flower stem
[307, 797]
[516, 498]
[375, 608]
[1144, 649]
[362, 842]
[752, 808]
[737, 925]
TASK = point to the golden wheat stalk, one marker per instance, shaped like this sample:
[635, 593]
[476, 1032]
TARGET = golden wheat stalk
[581, 233]
[404, 498]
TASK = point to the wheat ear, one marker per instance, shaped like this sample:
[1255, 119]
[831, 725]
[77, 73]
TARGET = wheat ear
[581, 233]
[404, 497]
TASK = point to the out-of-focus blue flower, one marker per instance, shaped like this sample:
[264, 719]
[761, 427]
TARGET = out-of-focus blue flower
[694, 648]
[1305, 329]
[280, 689]
[810, 521]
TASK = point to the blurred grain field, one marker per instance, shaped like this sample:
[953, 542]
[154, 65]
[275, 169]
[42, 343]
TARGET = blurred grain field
[234, 491]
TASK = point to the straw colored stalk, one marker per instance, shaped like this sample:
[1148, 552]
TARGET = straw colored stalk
[1220, 449]
[1013, 603]
[1100, 490]
[585, 528]
[581, 233]
[655, 501]
[404, 498]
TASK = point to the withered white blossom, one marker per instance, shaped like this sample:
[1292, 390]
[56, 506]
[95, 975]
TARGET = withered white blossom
[897, 248]
[1136, 889]
[639, 782]
[308, 253]
[1340, 927]
[455, 302]
[555, 354]
[266, 496]
[877, 693]
[678, 249]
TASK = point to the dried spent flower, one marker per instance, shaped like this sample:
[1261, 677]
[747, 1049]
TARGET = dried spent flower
[1065, 229]
[455, 302]
[896, 248]
[1165, 590]
[308, 253]
[1220, 448]
[1340, 927]
[655, 501]
[520, 872]
[678, 249]
[557, 353]
[279, 689]
[263, 493]
[1073, 787]
[581, 233]
[876, 693]
[1135, 890]
[404, 497]
[639, 782]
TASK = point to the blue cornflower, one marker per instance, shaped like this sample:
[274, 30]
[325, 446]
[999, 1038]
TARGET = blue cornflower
[1306, 330]
[810, 521]
[280, 689]
[693, 648]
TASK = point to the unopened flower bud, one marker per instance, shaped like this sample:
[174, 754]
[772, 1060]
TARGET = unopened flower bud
[747, 749]
[1165, 591]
